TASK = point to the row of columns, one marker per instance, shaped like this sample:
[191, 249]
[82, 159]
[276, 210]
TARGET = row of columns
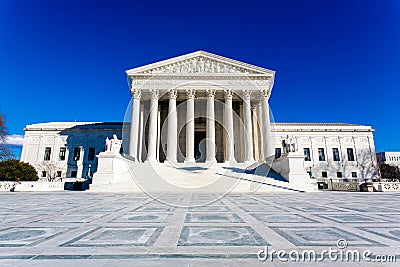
[172, 133]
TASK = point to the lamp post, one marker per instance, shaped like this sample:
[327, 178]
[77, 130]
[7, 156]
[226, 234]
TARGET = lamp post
[89, 176]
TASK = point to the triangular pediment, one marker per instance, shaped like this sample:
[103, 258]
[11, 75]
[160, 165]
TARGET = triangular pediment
[201, 63]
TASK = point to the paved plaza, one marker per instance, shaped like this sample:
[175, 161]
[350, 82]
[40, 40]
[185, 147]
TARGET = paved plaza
[99, 229]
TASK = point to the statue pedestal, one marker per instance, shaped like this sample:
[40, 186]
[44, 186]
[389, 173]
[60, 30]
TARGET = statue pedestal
[112, 174]
[291, 167]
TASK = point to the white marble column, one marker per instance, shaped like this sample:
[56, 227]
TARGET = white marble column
[255, 132]
[229, 137]
[79, 163]
[259, 116]
[172, 133]
[268, 143]
[141, 133]
[134, 129]
[152, 147]
[248, 134]
[190, 94]
[210, 126]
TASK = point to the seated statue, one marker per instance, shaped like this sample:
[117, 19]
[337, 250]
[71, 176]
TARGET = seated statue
[113, 145]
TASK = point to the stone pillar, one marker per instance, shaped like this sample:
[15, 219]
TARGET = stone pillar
[210, 126]
[152, 147]
[134, 129]
[141, 133]
[260, 139]
[229, 137]
[255, 132]
[268, 143]
[248, 134]
[190, 94]
[172, 134]
[79, 163]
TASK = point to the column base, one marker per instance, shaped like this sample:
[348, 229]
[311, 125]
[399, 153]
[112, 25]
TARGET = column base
[189, 160]
[230, 161]
[249, 162]
[211, 161]
[172, 163]
[151, 160]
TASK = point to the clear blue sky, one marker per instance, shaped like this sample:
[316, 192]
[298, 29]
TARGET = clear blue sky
[335, 61]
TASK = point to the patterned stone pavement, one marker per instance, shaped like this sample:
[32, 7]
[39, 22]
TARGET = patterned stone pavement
[93, 229]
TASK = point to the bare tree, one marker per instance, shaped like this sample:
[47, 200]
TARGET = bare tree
[5, 152]
[51, 170]
[366, 164]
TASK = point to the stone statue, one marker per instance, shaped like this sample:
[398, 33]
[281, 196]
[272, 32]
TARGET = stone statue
[289, 144]
[108, 144]
[115, 144]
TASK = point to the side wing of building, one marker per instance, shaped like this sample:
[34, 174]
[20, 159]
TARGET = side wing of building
[332, 150]
[66, 149]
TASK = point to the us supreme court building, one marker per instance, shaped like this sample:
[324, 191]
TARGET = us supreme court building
[202, 108]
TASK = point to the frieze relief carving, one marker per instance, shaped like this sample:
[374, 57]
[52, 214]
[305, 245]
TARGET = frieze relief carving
[199, 65]
[245, 81]
[333, 140]
[362, 139]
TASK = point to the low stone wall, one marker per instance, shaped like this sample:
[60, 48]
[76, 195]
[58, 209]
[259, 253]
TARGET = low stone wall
[338, 185]
[387, 186]
[31, 186]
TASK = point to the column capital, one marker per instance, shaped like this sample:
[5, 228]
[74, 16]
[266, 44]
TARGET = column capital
[210, 93]
[228, 94]
[246, 94]
[155, 93]
[190, 93]
[136, 93]
[265, 93]
[172, 94]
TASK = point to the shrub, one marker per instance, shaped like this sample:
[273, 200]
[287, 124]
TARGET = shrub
[12, 169]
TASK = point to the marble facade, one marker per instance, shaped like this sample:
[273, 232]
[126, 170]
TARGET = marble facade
[202, 107]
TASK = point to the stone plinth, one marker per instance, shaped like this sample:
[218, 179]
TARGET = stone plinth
[112, 174]
[291, 167]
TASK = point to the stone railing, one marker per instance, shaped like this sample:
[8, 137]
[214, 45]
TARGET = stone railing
[31, 186]
[6, 186]
[387, 186]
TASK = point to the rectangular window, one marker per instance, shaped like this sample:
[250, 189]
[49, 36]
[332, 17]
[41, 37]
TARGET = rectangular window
[336, 156]
[321, 154]
[350, 154]
[44, 173]
[324, 175]
[339, 175]
[307, 154]
[77, 153]
[354, 174]
[58, 173]
[278, 152]
[61, 156]
[73, 174]
[47, 153]
[91, 154]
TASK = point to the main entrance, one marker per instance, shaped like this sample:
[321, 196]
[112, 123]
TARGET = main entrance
[200, 146]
